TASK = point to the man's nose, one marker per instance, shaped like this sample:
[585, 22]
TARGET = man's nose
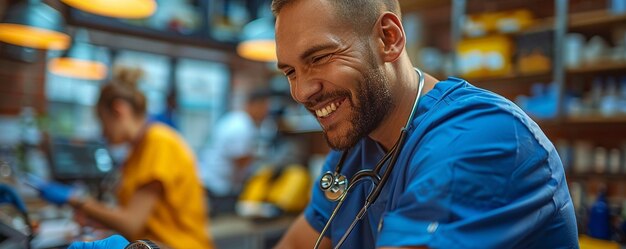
[303, 89]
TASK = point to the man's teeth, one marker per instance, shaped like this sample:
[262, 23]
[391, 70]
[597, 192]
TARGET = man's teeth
[327, 110]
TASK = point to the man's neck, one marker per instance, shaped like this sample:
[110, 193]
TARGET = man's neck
[407, 83]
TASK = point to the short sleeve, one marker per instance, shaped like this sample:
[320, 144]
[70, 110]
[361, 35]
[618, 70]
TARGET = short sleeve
[160, 157]
[478, 179]
[319, 208]
[156, 164]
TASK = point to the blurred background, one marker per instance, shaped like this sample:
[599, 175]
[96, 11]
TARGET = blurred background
[562, 61]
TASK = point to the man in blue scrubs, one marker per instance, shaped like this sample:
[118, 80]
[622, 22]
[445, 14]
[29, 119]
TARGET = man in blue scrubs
[474, 172]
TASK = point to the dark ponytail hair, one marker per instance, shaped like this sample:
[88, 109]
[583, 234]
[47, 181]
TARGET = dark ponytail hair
[124, 87]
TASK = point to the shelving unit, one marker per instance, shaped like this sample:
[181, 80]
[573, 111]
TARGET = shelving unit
[596, 119]
[414, 5]
[541, 25]
[594, 19]
[600, 67]
[511, 78]
[590, 175]
[576, 21]
[599, 130]
[520, 83]
[511, 85]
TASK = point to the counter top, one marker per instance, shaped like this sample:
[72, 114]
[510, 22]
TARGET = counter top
[232, 231]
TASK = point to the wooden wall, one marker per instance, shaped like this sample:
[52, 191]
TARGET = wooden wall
[22, 84]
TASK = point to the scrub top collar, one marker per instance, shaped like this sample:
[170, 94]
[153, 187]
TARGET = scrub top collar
[429, 100]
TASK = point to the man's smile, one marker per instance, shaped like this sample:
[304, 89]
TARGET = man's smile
[328, 108]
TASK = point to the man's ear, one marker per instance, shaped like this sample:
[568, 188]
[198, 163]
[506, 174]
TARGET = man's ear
[391, 36]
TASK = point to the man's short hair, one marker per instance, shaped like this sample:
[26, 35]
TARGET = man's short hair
[362, 14]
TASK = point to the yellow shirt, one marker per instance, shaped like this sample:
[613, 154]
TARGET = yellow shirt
[179, 217]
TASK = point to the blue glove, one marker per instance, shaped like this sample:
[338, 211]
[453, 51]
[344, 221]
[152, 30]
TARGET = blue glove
[113, 242]
[55, 192]
[8, 195]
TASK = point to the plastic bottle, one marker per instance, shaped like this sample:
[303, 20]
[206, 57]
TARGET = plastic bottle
[622, 226]
[622, 95]
[609, 102]
[599, 218]
[617, 6]
[600, 159]
[596, 93]
[614, 161]
[623, 168]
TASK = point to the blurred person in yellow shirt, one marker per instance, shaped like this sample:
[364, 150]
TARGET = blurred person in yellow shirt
[159, 194]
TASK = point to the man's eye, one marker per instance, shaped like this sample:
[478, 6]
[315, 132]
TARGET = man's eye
[289, 73]
[320, 58]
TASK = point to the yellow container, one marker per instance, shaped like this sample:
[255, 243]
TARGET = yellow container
[587, 242]
[498, 22]
[289, 191]
[485, 56]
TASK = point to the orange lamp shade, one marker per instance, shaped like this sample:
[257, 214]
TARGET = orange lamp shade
[77, 68]
[129, 9]
[27, 36]
[258, 50]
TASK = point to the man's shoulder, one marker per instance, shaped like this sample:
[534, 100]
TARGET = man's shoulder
[476, 125]
[455, 99]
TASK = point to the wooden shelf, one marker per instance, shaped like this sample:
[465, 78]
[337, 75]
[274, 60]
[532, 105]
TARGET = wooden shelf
[594, 18]
[511, 78]
[577, 21]
[581, 20]
[543, 123]
[539, 25]
[596, 119]
[602, 66]
[593, 175]
[412, 5]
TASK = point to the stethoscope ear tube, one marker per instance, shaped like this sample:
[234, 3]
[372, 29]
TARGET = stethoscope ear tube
[336, 186]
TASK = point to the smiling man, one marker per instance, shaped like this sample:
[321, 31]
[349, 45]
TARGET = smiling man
[474, 171]
[471, 169]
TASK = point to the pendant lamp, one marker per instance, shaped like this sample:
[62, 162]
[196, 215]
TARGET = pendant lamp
[80, 61]
[257, 40]
[127, 9]
[34, 24]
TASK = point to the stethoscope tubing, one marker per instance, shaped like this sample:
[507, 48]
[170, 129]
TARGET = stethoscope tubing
[372, 175]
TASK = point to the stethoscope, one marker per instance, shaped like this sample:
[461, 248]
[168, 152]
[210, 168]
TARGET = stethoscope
[336, 186]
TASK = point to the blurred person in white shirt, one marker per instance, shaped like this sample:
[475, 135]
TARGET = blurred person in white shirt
[233, 146]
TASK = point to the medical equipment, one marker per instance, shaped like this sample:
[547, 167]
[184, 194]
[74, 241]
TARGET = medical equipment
[336, 186]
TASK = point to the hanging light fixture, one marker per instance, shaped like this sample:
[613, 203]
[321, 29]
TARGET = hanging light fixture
[257, 41]
[128, 9]
[34, 24]
[80, 61]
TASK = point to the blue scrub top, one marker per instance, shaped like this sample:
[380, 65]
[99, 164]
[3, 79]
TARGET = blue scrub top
[475, 172]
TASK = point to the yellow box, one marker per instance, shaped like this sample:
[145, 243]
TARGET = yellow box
[498, 22]
[485, 56]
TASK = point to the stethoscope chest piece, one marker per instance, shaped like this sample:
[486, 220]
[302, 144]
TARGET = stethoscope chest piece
[333, 185]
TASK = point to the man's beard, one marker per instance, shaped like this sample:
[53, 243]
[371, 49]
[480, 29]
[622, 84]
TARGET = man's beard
[374, 102]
